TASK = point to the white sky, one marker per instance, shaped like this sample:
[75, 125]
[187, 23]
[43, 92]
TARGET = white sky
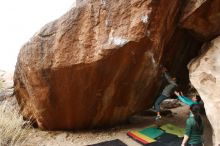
[20, 20]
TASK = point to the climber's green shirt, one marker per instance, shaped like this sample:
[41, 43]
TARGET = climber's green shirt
[195, 135]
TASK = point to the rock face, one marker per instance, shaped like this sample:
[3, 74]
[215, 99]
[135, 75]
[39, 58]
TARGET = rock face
[78, 2]
[100, 62]
[204, 75]
[202, 17]
[96, 65]
[6, 85]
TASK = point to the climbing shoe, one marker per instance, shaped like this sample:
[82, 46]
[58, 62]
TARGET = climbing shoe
[158, 117]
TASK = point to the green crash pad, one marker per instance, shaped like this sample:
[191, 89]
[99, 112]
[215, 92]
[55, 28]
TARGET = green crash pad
[172, 129]
[152, 132]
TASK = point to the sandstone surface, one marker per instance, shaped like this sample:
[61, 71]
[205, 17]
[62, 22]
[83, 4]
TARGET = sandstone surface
[205, 76]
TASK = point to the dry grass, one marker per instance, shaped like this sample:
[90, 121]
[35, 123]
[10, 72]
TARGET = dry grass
[0, 85]
[13, 129]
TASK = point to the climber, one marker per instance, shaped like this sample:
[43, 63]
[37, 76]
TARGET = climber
[194, 128]
[166, 92]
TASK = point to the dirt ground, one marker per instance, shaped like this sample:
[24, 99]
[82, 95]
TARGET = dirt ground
[137, 122]
[87, 137]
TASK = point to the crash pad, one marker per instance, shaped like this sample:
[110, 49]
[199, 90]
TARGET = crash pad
[152, 132]
[141, 138]
[172, 129]
[115, 142]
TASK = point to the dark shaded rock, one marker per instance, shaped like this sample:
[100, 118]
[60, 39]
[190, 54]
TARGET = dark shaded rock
[202, 18]
[153, 113]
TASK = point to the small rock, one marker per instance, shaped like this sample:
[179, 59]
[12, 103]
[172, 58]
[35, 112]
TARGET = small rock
[170, 103]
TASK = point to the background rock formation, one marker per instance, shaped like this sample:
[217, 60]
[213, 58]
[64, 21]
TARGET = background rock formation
[202, 18]
[205, 76]
[203, 23]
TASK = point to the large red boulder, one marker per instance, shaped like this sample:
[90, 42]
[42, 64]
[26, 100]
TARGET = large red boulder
[99, 63]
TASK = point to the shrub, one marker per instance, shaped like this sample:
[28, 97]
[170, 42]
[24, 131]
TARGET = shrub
[0, 85]
[13, 129]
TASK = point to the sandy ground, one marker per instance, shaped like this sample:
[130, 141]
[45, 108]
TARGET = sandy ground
[87, 137]
[137, 122]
